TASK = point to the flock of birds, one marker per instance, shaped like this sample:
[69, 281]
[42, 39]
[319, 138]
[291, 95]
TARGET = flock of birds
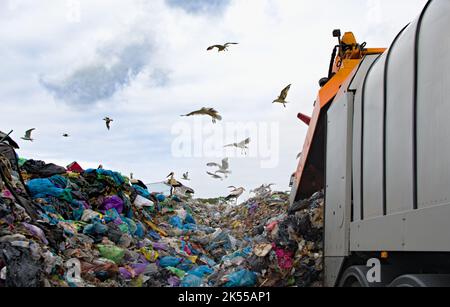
[223, 169]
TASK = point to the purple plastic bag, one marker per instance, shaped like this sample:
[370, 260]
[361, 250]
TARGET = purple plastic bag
[160, 246]
[174, 281]
[112, 202]
[36, 232]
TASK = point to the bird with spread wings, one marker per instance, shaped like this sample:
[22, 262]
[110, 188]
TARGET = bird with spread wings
[224, 168]
[283, 95]
[214, 176]
[221, 48]
[108, 122]
[207, 112]
[242, 145]
[27, 136]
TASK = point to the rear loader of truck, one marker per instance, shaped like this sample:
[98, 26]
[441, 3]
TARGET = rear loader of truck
[379, 145]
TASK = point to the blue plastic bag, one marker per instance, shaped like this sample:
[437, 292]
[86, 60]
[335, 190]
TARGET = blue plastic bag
[201, 271]
[41, 188]
[160, 197]
[191, 281]
[189, 219]
[176, 221]
[95, 228]
[243, 278]
[141, 191]
[169, 261]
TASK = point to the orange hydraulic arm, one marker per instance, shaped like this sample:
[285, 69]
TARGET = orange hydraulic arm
[309, 177]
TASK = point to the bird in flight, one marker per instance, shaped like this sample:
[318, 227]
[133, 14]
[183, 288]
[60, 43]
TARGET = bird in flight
[223, 168]
[299, 155]
[108, 122]
[235, 194]
[66, 135]
[208, 112]
[221, 48]
[242, 145]
[186, 176]
[214, 176]
[27, 136]
[283, 95]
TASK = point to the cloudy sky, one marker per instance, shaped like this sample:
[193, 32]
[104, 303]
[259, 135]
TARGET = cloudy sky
[66, 64]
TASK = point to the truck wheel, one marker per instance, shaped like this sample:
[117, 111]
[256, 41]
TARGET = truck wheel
[421, 281]
[354, 277]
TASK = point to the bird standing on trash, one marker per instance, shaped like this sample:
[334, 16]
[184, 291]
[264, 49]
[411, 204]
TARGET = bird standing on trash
[208, 112]
[235, 194]
[223, 169]
[6, 138]
[173, 183]
[108, 122]
[282, 98]
[27, 136]
[221, 48]
[242, 145]
[263, 191]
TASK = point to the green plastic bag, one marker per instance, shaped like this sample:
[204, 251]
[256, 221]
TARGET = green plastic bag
[111, 252]
[179, 273]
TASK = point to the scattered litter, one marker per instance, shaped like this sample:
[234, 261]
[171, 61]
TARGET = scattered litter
[123, 234]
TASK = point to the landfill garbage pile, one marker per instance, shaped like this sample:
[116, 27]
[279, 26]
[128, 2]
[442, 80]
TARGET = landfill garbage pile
[281, 244]
[69, 227]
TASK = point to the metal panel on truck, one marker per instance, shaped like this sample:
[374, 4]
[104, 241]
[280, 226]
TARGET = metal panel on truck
[399, 122]
[373, 141]
[338, 176]
[422, 230]
[433, 107]
[356, 86]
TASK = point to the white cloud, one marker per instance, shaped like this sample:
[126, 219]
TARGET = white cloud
[146, 63]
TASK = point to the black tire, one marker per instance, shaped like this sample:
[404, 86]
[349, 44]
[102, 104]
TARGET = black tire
[421, 281]
[355, 277]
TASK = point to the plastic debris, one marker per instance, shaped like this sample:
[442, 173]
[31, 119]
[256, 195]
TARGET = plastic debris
[123, 233]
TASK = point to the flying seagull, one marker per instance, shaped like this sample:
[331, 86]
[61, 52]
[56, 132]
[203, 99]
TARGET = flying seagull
[27, 136]
[65, 135]
[282, 98]
[208, 112]
[214, 176]
[223, 168]
[108, 122]
[221, 48]
[186, 176]
[235, 194]
[242, 145]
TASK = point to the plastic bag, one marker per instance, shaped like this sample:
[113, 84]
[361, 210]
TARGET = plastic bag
[201, 271]
[243, 278]
[141, 202]
[111, 252]
[191, 281]
[179, 273]
[149, 254]
[176, 221]
[169, 261]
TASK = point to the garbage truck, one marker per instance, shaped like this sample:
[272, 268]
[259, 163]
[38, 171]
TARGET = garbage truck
[378, 144]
